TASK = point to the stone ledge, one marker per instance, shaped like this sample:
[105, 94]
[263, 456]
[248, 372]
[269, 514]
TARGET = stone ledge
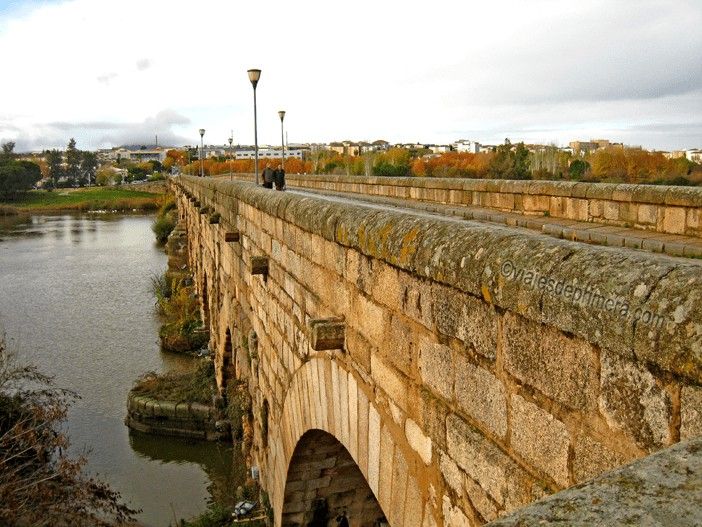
[659, 490]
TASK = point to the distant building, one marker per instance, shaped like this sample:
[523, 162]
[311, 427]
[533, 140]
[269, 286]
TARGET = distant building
[438, 149]
[583, 147]
[269, 152]
[464, 145]
[694, 155]
[138, 155]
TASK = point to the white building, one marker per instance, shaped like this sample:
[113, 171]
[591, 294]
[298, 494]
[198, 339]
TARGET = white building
[694, 155]
[464, 145]
[267, 152]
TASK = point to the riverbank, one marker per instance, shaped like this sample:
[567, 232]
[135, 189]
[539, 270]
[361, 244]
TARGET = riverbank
[86, 199]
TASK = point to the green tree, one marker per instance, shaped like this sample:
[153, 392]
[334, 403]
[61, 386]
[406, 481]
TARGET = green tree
[73, 160]
[578, 168]
[54, 160]
[88, 167]
[510, 162]
[16, 177]
[7, 154]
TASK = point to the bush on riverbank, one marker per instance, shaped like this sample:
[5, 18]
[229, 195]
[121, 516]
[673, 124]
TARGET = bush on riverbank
[39, 483]
[177, 303]
[165, 221]
[196, 386]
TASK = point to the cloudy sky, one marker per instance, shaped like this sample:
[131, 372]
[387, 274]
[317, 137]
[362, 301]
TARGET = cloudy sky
[111, 72]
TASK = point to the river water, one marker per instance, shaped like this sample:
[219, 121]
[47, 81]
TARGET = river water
[75, 299]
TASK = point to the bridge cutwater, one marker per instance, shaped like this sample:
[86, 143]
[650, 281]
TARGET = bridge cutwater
[432, 352]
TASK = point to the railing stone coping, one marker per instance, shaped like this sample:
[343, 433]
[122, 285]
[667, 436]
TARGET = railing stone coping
[473, 258]
[659, 489]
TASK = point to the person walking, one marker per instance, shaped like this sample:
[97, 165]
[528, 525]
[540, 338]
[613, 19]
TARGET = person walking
[279, 178]
[268, 175]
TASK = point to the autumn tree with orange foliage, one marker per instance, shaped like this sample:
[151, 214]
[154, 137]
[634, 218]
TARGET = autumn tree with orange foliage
[635, 165]
[453, 164]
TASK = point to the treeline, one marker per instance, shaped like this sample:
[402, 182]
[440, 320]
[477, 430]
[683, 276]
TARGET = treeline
[16, 176]
[74, 168]
[614, 164]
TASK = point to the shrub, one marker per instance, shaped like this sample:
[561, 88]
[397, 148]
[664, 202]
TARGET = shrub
[39, 483]
[195, 386]
[163, 226]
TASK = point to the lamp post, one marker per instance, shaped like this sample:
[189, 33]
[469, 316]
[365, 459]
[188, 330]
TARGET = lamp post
[202, 151]
[231, 138]
[281, 114]
[254, 75]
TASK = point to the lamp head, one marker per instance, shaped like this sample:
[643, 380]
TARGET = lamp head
[230, 141]
[202, 132]
[254, 75]
[281, 114]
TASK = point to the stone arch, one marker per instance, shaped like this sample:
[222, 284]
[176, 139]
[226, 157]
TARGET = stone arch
[324, 396]
[324, 483]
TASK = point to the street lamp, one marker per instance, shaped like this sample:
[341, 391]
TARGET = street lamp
[231, 138]
[281, 114]
[202, 150]
[254, 75]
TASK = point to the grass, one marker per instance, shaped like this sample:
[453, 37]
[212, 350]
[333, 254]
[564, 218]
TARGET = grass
[196, 386]
[6, 210]
[85, 199]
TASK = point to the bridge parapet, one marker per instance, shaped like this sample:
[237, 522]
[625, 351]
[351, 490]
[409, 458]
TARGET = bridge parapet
[482, 367]
[656, 208]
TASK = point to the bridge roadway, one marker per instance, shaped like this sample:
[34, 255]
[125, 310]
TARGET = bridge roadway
[410, 362]
[577, 231]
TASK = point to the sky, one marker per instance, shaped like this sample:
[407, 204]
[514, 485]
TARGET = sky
[113, 72]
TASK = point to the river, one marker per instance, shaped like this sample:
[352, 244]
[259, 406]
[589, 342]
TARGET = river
[75, 299]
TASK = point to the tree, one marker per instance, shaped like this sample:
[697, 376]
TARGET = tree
[54, 160]
[510, 162]
[578, 168]
[7, 152]
[88, 166]
[73, 159]
[16, 177]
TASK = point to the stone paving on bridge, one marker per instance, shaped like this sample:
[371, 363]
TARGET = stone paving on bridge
[579, 231]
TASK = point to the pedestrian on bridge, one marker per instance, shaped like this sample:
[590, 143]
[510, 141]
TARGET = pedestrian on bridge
[279, 178]
[268, 176]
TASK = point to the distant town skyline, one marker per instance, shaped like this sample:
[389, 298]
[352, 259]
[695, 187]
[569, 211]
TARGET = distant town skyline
[112, 73]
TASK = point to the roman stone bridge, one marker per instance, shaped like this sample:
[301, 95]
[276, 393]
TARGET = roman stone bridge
[438, 352]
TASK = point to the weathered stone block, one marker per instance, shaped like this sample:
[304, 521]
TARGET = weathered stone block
[647, 214]
[674, 220]
[466, 318]
[690, 412]
[540, 439]
[591, 458]
[477, 456]
[481, 395]
[631, 400]
[563, 368]
[418, 441]
[436, 368]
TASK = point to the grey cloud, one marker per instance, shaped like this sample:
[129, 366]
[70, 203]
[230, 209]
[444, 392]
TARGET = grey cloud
[103, 134]
[647, 51]
[143, 64]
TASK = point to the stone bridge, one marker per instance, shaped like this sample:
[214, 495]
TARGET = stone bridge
[410, 366]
